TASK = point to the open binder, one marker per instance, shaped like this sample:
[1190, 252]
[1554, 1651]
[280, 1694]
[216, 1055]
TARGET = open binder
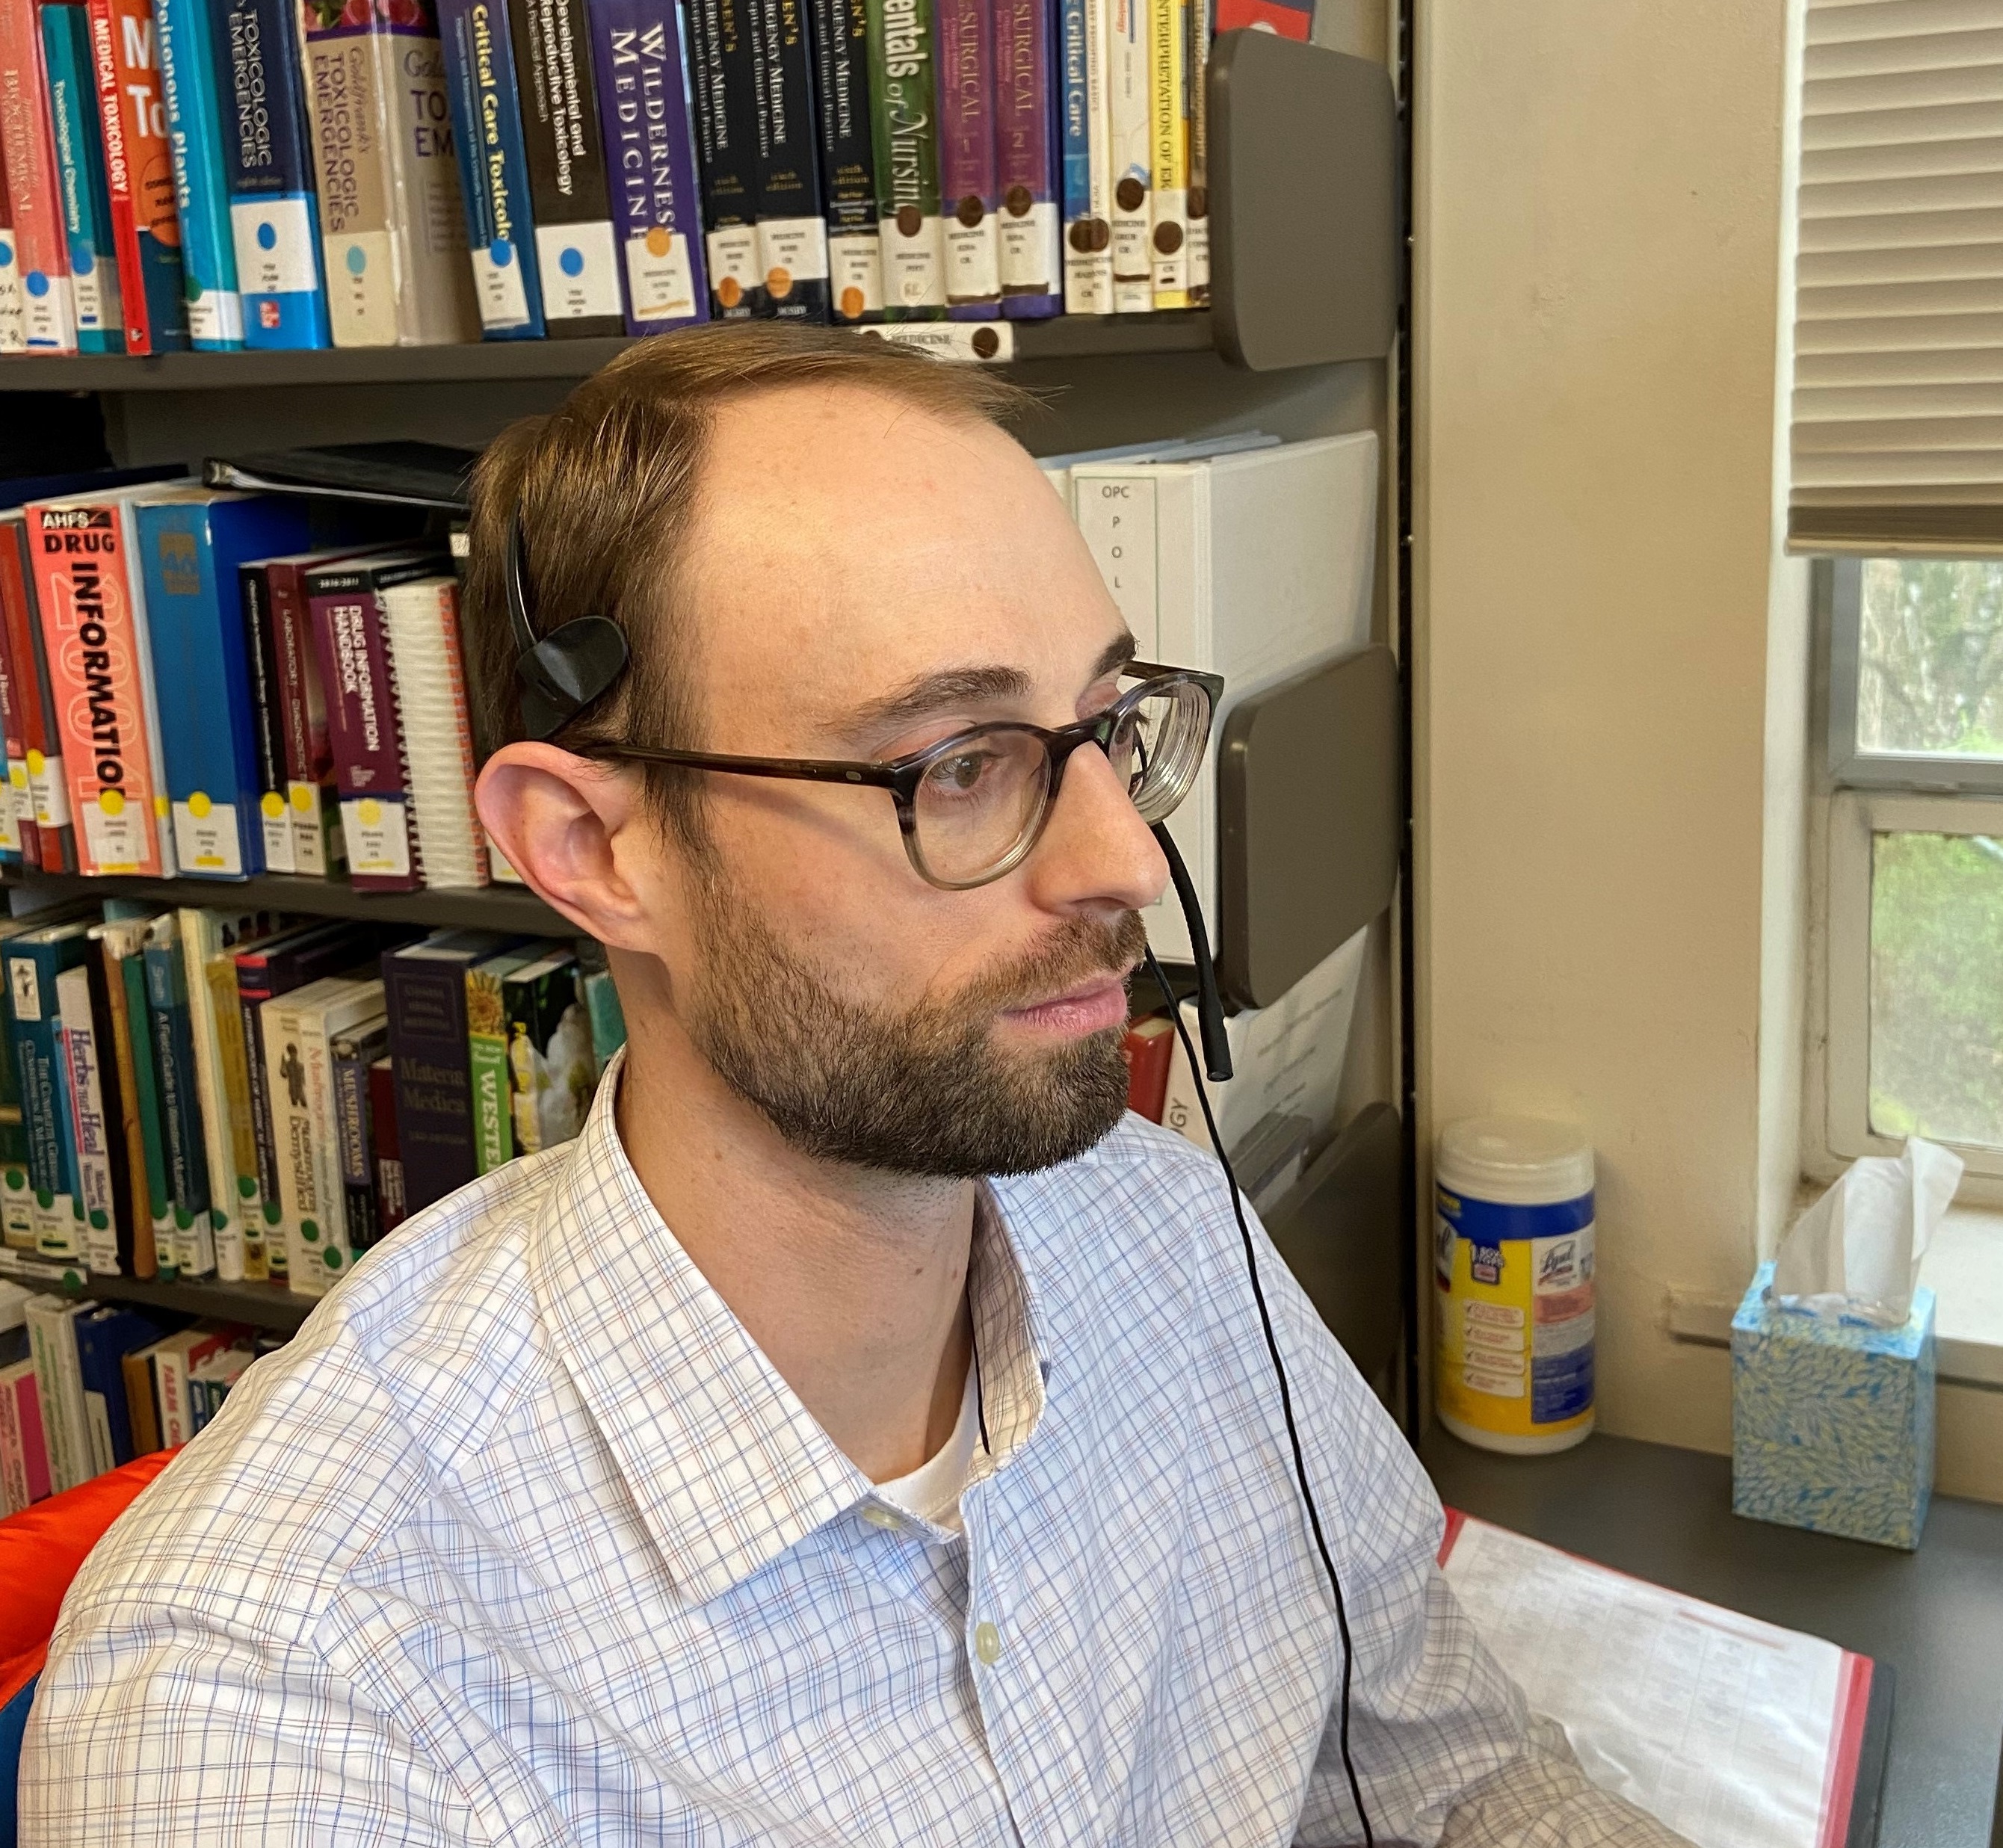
[1734, 1732]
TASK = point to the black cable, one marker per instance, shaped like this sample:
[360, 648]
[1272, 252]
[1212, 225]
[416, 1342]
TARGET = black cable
[1286, 1395]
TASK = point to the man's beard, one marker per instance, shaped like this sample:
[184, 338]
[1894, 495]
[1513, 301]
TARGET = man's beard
[922, 1091]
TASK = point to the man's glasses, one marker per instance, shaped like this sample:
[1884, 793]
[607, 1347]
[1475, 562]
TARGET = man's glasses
[972, 806]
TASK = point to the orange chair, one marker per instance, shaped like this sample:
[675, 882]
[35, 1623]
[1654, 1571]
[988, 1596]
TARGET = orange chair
[40, 1553]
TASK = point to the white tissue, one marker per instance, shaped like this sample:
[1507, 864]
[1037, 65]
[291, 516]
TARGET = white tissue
[1854, 1255]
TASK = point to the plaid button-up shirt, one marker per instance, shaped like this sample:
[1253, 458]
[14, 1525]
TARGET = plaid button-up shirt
[523, 1540]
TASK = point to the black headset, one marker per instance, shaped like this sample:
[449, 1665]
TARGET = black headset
[580, 661]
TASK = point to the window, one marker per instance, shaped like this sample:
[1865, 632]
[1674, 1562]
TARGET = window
[1914, 974]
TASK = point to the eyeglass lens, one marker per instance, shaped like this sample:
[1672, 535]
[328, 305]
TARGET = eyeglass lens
[978, 804]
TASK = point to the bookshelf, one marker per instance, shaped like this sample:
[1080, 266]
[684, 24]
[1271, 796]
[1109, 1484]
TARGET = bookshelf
[271, 1307]
[513, 908]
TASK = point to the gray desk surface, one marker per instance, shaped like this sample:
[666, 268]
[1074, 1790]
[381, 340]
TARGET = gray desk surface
[1936, 1615]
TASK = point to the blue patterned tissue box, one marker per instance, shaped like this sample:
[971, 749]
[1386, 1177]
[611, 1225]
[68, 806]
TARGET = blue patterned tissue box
[1833, 1422]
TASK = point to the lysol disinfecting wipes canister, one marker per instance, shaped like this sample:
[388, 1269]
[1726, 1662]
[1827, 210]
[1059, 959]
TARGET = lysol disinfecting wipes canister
[1512, 1270]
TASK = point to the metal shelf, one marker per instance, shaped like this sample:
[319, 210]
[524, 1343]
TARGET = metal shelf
[261, 1306]
[1067, 337]
[513, 908]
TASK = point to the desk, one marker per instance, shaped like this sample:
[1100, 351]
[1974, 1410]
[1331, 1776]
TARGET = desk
[1936, 1615]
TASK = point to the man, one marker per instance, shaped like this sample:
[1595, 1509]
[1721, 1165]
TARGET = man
[863, 1432]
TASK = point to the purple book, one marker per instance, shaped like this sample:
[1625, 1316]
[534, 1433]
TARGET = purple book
[369, 763]
[965, 68]
[1025, 123]
[636, 50]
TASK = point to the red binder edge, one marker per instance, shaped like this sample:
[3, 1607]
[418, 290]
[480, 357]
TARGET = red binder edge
[1853, 1708]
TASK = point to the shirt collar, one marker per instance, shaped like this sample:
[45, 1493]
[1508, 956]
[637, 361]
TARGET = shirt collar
[727, 1468]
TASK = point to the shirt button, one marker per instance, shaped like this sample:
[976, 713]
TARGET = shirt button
[987, 1643]
[882, 1517]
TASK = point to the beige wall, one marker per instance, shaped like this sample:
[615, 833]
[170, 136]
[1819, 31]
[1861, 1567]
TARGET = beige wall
[1598, 198]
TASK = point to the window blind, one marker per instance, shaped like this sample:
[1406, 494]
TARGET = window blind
[1897, 436]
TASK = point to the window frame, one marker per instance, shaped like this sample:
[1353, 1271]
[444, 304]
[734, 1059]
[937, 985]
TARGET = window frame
[1863, 794]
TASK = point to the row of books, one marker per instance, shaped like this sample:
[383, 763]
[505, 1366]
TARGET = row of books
[200, 1093]
[86, 1386]
[298, 173]
[190, 688]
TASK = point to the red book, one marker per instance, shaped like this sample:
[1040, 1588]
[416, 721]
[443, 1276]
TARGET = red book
[17, 804]
[48, 791]
[1148, 1048]
[139, 175]
[391, 1204]
[27, 138]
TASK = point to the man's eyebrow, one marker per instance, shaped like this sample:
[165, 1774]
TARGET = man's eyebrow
[964, 686]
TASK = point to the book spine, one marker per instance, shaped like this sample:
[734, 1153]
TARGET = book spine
[577, 257]
[723, 86]
[1026, 106]
[493, 169]
[99, 1363]
[240, 1120]
[13, 316]
[44, 784]
[135, 1207]
[323, 1255]
[1087, 236]
[27, 151]
[159, 1193]
[32, 1014]
[1168, 119]
[202, 703]
[363, 727]
[792, 235]
[274, 826]
[657, 208]
[302, 724]
[421, 629]
[91, 651]
[839, 36]
[250, 1003]
[89, 1122]
[199, 937]
[1130, 37]
[903, 114]
[170, 1377]
[1200, 16]
[428, 1045]
[86, 209]
[139, 1406]
[352, 1111]
[138, 167]
[202, 192]
[267, 163]
[967, 159]
[17, 1218]
[180, 1110]
[487, 1070]
[59, 1386]
[434, 303]
[291, 1124]
[18, 844]
[391, 1204]
[608, 1018]
[14, 1496]
[149, 698]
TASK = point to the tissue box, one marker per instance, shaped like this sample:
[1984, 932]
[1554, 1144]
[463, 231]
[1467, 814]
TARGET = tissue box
[1833, 1424]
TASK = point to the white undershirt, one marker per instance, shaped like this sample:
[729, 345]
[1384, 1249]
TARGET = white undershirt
[932, 1491]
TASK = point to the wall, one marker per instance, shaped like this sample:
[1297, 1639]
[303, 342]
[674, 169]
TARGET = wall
[1598, 201]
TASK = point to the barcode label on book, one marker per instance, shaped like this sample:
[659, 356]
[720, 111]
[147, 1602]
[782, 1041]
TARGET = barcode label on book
[855, 270]
[379, 837]
[274, 821]
[115, 833]
[206, 835]
[579, 266]
[733, 264]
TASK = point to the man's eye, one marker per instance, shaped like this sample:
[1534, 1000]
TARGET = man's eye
[961, 772]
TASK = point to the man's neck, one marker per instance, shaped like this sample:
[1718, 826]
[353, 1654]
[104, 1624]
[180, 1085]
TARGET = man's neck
[852, 1282]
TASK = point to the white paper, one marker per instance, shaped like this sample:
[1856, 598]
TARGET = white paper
[1720, 1726]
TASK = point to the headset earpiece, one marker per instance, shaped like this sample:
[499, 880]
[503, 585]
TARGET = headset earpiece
[574, 664]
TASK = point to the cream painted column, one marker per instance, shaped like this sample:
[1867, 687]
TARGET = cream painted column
[1599, 197]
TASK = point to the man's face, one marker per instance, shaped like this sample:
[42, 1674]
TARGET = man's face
[865, 580]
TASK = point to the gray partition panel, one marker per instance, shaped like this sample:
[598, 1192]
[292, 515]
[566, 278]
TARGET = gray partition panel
[1338, 1231]
[1310, 808]
[1303, 197]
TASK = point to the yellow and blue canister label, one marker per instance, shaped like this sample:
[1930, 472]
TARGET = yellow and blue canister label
[1514, 1341]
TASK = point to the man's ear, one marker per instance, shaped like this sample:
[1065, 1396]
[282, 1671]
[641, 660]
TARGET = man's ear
[573, 829]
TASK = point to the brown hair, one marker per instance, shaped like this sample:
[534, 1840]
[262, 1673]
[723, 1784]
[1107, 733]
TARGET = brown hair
[603, 486]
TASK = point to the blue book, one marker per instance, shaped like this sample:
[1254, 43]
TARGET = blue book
[104, 1337]
[180, 1110]
[267, 161]
[85, 205]
[493, 169]
[34, 1028]
[201, 192]
[1088, 237]
[189, 554]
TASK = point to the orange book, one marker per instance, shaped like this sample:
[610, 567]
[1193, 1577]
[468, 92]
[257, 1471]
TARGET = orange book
[1148, 1047]
[139, 175]
[100, 680]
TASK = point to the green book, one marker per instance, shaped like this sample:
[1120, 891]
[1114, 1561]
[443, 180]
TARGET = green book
[132, 968]
[904, 132]
[487, 1058]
